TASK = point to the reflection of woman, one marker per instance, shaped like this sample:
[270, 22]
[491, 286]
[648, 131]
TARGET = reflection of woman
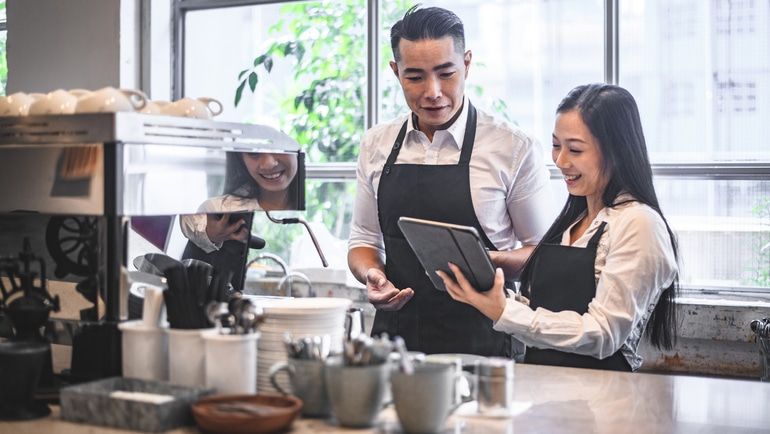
[606, 270]
[253, 181]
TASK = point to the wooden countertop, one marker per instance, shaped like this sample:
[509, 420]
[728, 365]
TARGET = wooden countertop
[552, 399]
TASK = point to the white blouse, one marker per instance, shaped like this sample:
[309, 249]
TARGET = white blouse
[634, 263]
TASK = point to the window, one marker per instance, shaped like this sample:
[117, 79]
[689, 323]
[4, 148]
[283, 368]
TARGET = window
[697, 72]
[696, 68]
[3, 37]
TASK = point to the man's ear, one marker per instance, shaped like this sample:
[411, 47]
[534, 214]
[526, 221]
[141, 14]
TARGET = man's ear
[467, 61]
[394, 67]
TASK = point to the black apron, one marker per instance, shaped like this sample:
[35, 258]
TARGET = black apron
[563, 279]
[431, 321]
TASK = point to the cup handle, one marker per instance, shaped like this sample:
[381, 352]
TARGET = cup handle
[471, 393]
[274, 371]
[216, 102]
[137, 98]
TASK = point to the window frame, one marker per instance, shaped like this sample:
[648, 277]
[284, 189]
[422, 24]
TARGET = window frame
[704, 171]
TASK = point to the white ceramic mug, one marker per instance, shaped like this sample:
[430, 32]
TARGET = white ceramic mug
[54, 103]
[109, 99]
[200, 108]
[18, 104]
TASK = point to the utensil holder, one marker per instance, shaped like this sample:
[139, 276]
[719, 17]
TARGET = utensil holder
[763, 344]
[186, 357]
[145, 351]
[231, 362]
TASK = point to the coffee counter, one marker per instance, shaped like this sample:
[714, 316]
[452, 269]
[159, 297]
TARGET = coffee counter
[553, 399]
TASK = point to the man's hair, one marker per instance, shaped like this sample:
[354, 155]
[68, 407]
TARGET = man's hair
[428, 23]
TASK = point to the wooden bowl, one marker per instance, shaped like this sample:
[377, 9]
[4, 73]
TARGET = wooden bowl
[246, 414]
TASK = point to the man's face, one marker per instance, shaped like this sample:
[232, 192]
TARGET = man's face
[432, 74]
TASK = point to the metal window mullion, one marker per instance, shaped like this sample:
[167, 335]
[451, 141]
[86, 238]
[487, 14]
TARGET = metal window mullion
[372, 62]
[611, 41]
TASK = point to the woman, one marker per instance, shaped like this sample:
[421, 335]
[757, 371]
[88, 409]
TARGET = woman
[606, 270]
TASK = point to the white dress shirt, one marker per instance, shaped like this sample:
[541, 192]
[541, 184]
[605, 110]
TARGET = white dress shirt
[508, 178]
[634, 263]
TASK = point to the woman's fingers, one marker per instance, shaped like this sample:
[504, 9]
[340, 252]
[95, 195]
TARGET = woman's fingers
[461, 280]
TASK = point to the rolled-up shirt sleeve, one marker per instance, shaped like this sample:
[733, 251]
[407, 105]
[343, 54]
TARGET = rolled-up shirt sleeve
[365, 228]
[639, 264]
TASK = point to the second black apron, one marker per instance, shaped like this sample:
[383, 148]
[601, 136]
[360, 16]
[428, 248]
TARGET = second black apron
[431, 321]
[563, 279]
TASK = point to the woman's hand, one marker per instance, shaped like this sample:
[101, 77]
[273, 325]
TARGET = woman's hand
[491, 303]
[220, 229]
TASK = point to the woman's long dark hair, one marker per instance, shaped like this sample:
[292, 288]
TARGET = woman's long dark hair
[611, 114]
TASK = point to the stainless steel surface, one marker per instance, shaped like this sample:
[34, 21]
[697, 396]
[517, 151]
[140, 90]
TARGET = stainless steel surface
[128, 127]
[611, 41]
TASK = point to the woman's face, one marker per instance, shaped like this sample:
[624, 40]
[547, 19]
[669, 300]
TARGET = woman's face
[272, 172]
[576, 153]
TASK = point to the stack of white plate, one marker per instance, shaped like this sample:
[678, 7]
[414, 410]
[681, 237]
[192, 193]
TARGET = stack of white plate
[301, 317]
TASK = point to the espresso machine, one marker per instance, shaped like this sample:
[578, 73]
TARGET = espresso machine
[90, 193]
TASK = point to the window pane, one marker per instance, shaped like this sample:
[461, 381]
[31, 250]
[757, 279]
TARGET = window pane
[723, 229]
[701, 75]
[527, 55]
[309, 77]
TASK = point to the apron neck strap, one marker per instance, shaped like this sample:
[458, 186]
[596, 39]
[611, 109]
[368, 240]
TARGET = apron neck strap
[594, 241]
[468, 139]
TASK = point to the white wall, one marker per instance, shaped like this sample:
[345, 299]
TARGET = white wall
[72, 44]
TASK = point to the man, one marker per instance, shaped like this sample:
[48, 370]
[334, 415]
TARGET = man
[446, 161]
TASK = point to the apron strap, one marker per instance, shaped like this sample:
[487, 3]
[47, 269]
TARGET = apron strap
[470, 136]
[594, 241]
[396, 148]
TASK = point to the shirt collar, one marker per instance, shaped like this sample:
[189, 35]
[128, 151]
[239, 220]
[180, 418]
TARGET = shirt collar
[456, 130]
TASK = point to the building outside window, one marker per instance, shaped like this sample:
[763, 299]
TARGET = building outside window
[698, 69]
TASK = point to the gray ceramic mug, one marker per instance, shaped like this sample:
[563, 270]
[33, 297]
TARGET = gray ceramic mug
[307, 382]
[427, 397]
[357, 393]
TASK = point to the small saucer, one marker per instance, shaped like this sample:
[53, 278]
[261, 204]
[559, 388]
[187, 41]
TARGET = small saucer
[471, 410]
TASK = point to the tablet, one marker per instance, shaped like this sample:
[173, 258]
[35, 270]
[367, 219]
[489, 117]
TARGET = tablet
[436, 243]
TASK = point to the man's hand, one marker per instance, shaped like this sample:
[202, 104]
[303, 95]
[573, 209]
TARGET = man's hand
[219, 229]
[383, 294]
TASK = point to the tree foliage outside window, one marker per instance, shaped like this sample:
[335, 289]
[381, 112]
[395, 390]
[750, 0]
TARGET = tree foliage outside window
[327, 45]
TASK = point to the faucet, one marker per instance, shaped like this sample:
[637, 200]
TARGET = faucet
[289, 277]
[272, 256]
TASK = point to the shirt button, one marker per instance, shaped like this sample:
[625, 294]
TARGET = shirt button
[387, 170]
